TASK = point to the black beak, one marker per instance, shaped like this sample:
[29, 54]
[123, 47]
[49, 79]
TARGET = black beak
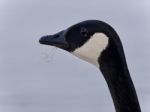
[57, 40]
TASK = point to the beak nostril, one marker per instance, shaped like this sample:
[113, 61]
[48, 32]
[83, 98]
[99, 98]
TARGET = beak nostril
[56, 36]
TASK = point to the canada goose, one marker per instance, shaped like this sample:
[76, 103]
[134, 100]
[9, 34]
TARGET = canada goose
[98, 43]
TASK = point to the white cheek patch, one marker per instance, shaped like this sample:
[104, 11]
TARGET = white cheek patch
[92, 49]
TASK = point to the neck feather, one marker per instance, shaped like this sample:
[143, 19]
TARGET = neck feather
[114, 68]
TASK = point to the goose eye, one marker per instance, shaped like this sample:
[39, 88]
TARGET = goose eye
[84, 32]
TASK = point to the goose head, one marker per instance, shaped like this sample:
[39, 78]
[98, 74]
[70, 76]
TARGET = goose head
[86, 40]
[98, 43]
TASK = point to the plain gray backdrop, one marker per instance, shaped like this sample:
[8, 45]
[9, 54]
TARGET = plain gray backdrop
[38, 78]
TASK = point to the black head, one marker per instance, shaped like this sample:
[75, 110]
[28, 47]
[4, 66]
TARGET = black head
[75, 36]
[86, 39]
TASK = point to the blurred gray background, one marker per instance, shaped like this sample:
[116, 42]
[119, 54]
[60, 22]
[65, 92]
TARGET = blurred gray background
[38, 78]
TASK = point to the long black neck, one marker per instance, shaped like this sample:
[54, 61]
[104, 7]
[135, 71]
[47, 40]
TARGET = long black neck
[115, 71]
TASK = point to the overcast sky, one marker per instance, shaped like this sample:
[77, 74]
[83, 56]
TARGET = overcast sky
[38, 78]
